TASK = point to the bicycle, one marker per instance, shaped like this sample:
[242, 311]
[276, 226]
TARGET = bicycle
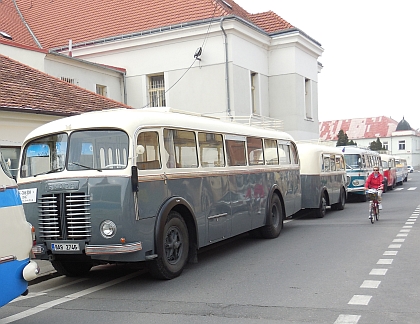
[372, 195]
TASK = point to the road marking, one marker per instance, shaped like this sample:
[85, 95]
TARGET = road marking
[398, 189]
[394, 246]
[405, 231]
[402, 235]
[360, 300]
[378, 272]
[347, 319]
[398, 240]
[409, 225]
[385, 261]
[48, 305]
[370, 284]
[44, 292]
[390, 253]
[412, 188]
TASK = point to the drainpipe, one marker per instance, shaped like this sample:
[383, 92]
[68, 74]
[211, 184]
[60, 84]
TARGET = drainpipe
[125, 87]
[227, 67]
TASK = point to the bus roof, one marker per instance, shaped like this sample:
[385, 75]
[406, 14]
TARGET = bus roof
[132, 119]
[356, 150]
[309, 155]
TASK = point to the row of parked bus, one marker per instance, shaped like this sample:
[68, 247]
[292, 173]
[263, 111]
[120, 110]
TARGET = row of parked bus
[155, 186]
[360, 163]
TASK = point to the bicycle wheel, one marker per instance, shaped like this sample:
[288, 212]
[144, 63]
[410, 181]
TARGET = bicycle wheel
[372, 213]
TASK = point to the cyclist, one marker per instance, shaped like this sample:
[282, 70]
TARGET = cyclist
[375, 181]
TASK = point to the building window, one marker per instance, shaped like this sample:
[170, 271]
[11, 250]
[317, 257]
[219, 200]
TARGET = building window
[68, 80]
[101, 90]
[254, 93]
[401, 145]
[157, 91]
[308, 99]
[385, 145]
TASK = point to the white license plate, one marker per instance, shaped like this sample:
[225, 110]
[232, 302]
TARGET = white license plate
[65, 246]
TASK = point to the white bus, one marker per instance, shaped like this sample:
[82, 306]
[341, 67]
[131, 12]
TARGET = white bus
[402, 171]
[152, 185]
[16, 268]
[323, 177]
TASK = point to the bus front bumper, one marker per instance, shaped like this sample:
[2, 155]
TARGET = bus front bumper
[90, 249]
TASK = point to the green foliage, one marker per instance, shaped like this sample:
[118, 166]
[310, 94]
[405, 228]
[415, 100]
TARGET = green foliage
[343, 139]
[376, 145]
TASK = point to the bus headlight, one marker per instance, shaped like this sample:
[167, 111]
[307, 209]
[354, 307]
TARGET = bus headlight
[108, 229]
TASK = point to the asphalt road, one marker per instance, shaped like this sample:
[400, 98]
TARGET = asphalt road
[338, 269]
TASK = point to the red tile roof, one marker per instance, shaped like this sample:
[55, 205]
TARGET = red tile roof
[356, 128]
[270, 22]
[24, 89]
[54, 23]
[12, 24]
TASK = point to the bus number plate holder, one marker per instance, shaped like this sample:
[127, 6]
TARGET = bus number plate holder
[65, 247]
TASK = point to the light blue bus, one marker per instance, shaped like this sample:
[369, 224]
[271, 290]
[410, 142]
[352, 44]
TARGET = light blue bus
[359, 164]
[16, 269]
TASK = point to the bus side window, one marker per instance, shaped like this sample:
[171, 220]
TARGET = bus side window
[185, 149]
[211, 150]
[332, 163]
[255, 151]
[284, 154]
[270, 152]
[148, 157]
[235, 150]
[294, 159]
[326, 163]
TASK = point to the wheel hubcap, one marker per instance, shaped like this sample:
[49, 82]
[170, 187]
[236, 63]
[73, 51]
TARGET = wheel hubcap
[173, 245]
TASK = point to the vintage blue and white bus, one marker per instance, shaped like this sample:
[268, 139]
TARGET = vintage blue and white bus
[359, 164]
[152, 185]
[16, 268]
[323, 177]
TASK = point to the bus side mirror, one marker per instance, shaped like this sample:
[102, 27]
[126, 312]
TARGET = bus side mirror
[134, 179]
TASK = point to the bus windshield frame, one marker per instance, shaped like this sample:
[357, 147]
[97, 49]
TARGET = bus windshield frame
[101, 149]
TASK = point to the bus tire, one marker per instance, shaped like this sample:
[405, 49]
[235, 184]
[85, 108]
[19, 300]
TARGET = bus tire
[173, 254]
[71, 269]
[322, 209]
[274, 219]
[342, 202]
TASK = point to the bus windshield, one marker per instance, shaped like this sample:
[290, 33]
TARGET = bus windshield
[83, 150]
[352, 160]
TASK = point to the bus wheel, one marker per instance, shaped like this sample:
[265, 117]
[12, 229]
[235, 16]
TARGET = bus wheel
[322, 209]
[71, 269]
[274, 220]
[341, 203]
[173, 252]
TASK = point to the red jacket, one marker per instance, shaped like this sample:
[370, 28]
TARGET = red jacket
[373, 182]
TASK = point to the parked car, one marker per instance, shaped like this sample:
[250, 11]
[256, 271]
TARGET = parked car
[410, 168]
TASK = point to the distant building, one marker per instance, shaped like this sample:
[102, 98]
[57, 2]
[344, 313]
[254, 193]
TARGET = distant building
[398, 138]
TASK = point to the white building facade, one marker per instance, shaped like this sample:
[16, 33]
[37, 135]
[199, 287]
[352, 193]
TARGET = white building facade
[242, 71]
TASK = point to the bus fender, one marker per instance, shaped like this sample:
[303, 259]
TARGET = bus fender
[274, 190]
[324, 192]
[177, 203]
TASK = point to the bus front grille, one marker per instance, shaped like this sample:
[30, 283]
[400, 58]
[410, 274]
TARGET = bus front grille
[64, 216]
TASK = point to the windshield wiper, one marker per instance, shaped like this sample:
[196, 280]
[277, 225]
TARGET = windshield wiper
[85, 166]
[50, 171]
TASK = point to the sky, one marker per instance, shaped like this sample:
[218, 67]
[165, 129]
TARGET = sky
[371, 58]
